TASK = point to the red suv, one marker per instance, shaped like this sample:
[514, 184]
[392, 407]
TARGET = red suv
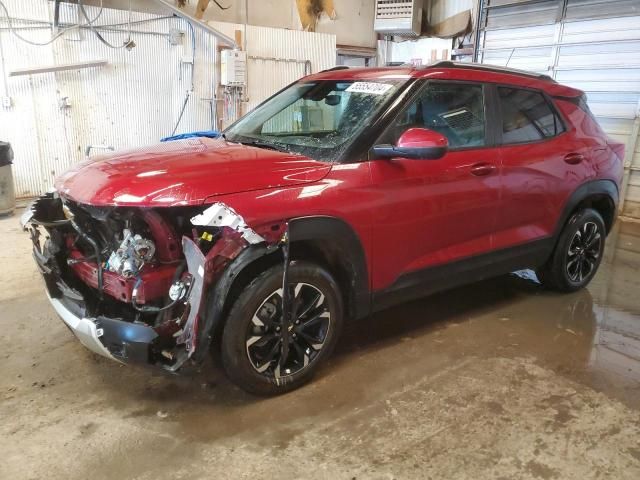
[345, 193]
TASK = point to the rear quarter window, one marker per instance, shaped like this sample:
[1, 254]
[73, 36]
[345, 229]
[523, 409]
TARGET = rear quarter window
[581, 103]
[526, 116]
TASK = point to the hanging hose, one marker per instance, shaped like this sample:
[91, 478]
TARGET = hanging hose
[190, 91]
[127, 44]
[56, 14]
[61, 32]
[5, 12]
[184, 106]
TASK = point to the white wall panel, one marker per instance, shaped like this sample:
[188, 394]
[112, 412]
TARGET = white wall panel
[538, 13]
[579, 9]
[607, 30]
[422, 49]
[535, 59]
[284, 53]
[541, 35]
[134, 100]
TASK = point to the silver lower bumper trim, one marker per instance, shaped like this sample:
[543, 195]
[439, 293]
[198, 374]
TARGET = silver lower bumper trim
[84, 329]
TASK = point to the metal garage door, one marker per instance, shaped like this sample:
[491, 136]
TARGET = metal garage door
[593, 45]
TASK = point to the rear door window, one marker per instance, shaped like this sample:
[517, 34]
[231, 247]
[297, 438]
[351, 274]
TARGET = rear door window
[526, 116]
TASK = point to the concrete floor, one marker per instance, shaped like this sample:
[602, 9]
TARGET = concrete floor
[500, 380]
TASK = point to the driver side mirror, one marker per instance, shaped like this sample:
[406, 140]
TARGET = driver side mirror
[415, 143]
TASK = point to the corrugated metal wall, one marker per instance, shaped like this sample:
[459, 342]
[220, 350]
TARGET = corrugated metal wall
[593, 45]
[276, 57]
[134, 100]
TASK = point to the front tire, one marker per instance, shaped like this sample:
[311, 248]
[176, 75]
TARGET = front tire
[253, 352]
[578, 253]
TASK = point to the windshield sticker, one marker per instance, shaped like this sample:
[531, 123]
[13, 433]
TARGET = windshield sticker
[369, 87]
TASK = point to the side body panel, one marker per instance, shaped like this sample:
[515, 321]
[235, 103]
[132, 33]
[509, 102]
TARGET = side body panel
[432, 212]
[540, 177]
[426, 225]
[604, 162]
[537, 182]
[344, 194]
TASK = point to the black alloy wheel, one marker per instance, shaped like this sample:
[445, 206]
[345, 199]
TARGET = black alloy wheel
[266, 352]
[577, 254]
[275, 350]
[583, 254]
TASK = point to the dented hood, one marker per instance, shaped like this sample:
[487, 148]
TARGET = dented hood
[184, 172]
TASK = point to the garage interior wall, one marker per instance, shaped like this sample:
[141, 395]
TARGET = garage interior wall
[352, 26]
[277, 57]
[135, 99]
[421, 51]
[593, 45]
[443, 9]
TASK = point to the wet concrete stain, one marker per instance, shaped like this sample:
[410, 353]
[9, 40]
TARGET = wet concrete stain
[539, 470]
[496, 380]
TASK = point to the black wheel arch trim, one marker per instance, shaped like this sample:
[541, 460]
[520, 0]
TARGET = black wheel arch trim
[342, 238]
[594, 188]
[217, 296]
[336, 231]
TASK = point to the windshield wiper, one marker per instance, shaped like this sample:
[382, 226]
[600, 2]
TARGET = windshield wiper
[267, 145]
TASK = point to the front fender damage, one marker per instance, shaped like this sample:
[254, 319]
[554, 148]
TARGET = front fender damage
[207, 269]
[162, 315]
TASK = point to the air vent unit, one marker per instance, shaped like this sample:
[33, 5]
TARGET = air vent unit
[398, 17]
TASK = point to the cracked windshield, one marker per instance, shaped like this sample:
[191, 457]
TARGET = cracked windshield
[318, 119]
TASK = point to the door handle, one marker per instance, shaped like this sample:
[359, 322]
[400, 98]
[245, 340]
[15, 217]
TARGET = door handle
[482, 169]
[573, 158]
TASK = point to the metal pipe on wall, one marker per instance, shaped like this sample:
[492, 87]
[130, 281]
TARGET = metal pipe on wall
[199, 23]
[244, 47]
[478, 32]
[3, 66]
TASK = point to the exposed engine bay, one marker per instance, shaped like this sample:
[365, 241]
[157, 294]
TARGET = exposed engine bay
[135, 280]
[131, 255]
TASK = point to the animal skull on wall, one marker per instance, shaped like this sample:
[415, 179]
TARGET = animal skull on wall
[311, 10]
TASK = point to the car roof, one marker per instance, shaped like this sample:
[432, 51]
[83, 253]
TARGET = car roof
[446, 70]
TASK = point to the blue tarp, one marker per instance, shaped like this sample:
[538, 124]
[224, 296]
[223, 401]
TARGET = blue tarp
[181, 136]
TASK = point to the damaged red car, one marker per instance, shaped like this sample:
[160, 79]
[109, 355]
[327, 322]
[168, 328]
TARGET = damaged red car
[345, 193]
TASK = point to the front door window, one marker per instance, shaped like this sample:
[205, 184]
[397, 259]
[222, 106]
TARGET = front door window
[452, 109]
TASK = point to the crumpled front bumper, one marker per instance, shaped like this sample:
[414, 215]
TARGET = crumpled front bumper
[174, 341]
[125, 342]
[118, 340]
[85, 329]
[113, 338]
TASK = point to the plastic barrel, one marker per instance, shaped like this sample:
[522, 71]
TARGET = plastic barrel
[7, 192]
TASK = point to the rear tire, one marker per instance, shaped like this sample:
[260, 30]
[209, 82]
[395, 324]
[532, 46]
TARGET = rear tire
[252, 343]
[577, 254]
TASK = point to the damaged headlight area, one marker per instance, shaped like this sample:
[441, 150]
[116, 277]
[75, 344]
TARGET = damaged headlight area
[131, 282]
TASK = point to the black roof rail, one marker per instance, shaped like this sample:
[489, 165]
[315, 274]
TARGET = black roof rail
[339, 67]
[490, 68]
